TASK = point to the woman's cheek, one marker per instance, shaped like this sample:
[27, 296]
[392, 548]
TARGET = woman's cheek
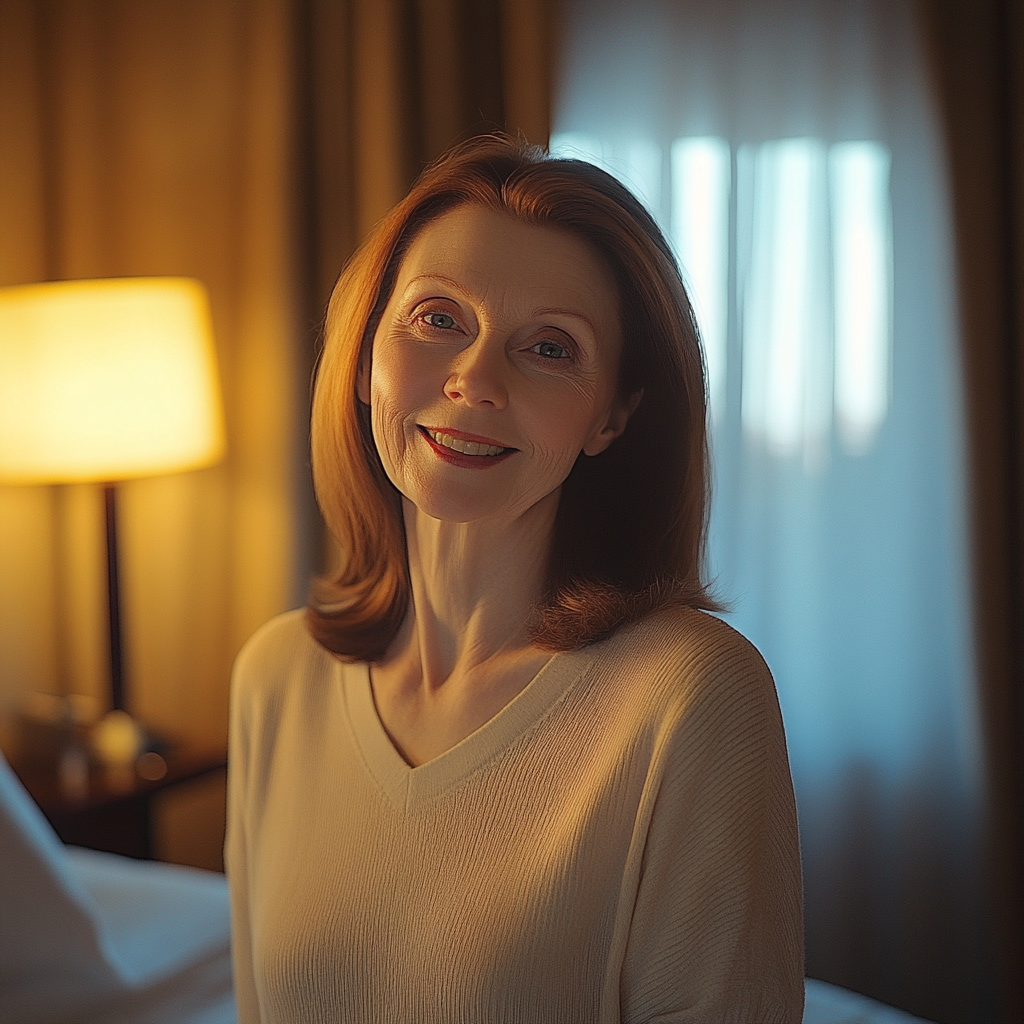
[388, 433]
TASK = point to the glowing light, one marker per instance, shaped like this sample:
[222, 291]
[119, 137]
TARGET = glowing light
[700, 234]
[813, 269]
[786, 390]
[862, 275]
[104, 380]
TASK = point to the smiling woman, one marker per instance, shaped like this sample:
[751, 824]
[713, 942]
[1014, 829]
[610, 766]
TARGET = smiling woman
[503, 326]
[629, 528]
[505, 768]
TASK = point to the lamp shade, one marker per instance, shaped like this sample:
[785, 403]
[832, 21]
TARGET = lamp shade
[106, 380]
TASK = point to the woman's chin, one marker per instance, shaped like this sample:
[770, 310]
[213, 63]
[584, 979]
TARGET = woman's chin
[447, 506]
[448, 510]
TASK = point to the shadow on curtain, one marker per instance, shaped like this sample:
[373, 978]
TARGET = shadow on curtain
[792, 153]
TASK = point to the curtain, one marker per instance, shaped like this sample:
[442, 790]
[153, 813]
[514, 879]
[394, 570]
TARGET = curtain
[250, 145]
[792, 152]
[977, 56]
[391, 84]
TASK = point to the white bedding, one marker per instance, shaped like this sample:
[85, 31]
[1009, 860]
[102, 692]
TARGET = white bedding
[169, 929]
[829, 1004]
[90, 937]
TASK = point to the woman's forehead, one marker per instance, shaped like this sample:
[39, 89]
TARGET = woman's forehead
[490, 254]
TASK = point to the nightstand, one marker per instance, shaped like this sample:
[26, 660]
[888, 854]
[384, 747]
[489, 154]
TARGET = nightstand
[113, 810]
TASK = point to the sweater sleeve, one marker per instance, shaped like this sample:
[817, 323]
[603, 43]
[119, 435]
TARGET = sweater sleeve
[235, 858]
[717, 932]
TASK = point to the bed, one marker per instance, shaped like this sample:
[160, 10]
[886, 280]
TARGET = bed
[93, 937]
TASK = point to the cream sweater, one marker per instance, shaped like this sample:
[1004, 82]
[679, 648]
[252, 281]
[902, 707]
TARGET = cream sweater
[619, 843]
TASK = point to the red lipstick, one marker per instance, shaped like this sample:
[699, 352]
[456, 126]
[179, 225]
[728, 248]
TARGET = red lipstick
[463, 459]
[463, 436]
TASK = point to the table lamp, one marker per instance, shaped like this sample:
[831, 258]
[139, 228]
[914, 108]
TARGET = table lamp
[102, 381]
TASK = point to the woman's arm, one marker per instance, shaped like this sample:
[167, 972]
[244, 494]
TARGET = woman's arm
[235, 854]
[717, 931]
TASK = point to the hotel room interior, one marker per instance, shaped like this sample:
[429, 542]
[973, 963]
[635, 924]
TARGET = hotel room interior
[878, 562]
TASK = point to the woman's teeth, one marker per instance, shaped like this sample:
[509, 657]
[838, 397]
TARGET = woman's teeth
[465, 447]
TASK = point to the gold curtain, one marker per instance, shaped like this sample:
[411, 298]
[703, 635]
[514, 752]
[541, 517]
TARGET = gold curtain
[977, 53]
[391, 84]
[250, 145]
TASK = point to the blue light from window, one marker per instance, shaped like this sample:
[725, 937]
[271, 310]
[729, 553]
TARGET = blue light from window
[700, 233]
[862, 284]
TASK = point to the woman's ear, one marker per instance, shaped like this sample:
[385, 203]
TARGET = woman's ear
[615, 424]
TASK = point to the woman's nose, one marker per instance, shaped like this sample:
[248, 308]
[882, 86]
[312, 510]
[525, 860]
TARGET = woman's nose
[478, 374]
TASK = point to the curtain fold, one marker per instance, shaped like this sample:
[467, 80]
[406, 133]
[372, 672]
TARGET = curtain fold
[977, 62]
[391, 84]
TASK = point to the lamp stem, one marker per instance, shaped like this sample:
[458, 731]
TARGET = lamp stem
[114, 599]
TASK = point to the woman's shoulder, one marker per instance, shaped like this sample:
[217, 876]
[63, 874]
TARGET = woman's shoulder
[275, 652]
[686, 655]
[692, 680]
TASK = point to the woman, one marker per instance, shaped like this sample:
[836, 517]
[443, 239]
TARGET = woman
[504, 768]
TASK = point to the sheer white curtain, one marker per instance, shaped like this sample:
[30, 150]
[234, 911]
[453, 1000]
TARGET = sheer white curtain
[790, 151]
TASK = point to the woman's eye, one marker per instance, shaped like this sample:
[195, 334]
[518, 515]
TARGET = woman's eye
[440, 320]
[550, 350]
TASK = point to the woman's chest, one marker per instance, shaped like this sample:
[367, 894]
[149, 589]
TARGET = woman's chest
[498, 898]
[424, 722]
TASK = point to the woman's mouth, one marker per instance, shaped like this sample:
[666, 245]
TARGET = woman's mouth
[465, 451]
[464, 446]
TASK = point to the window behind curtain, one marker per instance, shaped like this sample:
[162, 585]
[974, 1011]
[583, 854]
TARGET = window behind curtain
[789, 152]
[811, 240]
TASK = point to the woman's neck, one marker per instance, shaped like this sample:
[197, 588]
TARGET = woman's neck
[474, 587]
[464, 651]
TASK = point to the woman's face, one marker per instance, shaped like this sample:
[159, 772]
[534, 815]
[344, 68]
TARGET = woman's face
[494, 365]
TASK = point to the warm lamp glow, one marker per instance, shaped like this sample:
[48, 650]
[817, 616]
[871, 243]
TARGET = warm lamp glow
[105, 380]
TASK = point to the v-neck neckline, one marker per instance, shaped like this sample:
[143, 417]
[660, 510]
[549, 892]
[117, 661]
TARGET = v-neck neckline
[409, 788]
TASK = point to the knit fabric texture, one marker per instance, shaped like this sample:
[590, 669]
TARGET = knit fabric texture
[619, 843]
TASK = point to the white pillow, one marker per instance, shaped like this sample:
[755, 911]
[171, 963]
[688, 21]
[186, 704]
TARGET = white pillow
[93, 937]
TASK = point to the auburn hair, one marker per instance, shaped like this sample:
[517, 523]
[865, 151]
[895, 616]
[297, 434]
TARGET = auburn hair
[630, 528]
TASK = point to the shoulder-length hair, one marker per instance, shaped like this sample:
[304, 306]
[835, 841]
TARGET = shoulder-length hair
[630, 528]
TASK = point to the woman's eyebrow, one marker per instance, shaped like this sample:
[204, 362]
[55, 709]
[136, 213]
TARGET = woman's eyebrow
[437, 277]
[574, 313]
